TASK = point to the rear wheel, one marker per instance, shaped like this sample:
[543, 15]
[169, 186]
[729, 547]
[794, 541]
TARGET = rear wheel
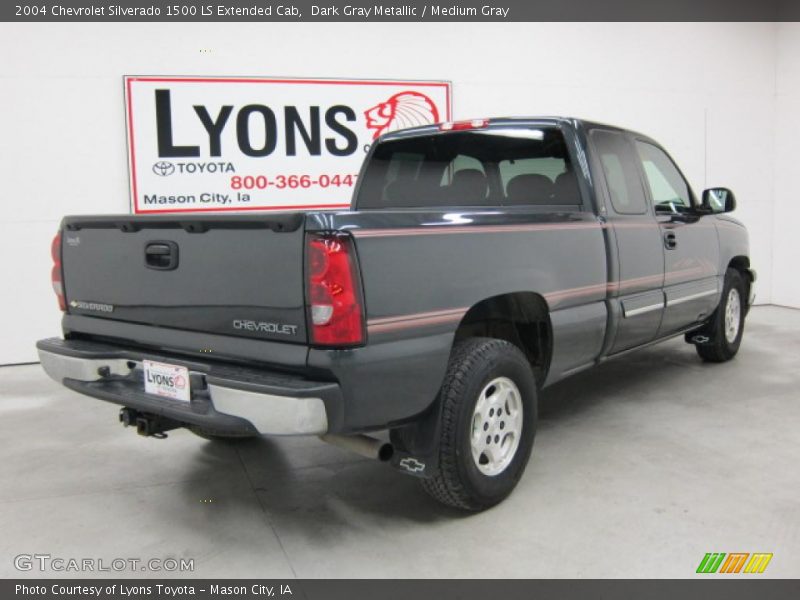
[726, 327]
[488, 423]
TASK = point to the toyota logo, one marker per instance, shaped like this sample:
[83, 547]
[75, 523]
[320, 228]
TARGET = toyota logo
[163, 168]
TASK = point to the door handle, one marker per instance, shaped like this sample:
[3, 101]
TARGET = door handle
[162, 256]
[670, 240]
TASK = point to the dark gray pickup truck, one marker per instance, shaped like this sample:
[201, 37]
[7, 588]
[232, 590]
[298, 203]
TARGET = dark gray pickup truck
[481, 261]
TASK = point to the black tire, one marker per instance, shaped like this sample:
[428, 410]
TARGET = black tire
[475, 363]
[216, 437]
[719, 348]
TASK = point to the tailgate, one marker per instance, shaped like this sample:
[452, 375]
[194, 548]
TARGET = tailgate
[238, 276]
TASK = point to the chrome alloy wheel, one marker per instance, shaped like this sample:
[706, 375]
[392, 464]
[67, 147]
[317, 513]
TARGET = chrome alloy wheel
[496, 426]
[733, 315]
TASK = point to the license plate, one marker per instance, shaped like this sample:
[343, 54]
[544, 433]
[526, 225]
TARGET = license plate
[169, 381]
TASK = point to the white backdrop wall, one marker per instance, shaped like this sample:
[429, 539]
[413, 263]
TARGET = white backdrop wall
[706, 91]
[786, 241]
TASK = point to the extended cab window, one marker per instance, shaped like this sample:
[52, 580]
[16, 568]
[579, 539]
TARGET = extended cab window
[462, 168]
[668, 188]
[490, 167]
[621, 175]
[546, 173]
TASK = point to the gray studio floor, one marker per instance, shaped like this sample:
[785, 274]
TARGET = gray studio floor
[640, 467]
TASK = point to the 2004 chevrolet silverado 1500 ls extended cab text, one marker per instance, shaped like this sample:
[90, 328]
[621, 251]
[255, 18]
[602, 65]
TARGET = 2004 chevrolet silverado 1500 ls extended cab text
[481, 262]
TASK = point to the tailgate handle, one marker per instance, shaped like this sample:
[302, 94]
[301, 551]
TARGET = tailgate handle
[161, 255]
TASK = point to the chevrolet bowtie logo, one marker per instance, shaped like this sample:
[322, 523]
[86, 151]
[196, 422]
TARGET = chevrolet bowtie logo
[412, 465]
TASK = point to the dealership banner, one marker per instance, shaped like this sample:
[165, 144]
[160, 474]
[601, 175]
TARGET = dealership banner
[212, 144]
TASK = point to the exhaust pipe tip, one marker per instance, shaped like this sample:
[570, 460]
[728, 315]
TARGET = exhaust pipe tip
[385, 452]
[363, 445]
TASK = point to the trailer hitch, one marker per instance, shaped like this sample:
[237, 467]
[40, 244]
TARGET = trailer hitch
[146, 424]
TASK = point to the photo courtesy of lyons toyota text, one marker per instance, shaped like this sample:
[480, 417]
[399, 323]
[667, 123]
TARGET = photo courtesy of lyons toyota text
[321, 296]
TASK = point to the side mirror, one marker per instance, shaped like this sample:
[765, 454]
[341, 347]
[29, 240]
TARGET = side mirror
[718, 200]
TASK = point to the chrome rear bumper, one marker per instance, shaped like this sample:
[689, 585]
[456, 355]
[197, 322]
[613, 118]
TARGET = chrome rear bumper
[224, 398]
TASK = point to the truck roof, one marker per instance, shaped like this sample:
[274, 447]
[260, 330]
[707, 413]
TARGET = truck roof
[497, 122]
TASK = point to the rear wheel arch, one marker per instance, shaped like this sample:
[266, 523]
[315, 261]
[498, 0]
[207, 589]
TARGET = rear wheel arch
[521, 318]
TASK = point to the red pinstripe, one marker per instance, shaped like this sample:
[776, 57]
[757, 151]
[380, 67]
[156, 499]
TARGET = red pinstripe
[438, 317]
[518, 228]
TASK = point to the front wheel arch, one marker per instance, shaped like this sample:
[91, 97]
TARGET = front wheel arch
[742, 265]
[714, 342]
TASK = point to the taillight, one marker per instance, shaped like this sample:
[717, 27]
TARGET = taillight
[55, 272]
[336, 311]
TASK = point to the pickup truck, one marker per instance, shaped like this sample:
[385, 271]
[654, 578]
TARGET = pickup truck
[481, 261]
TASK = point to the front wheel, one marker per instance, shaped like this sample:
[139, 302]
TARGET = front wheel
[726, 327]
[488, 420]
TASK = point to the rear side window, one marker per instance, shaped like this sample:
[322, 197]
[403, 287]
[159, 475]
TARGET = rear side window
[620, 171]
[668, 188]
[491, 167]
